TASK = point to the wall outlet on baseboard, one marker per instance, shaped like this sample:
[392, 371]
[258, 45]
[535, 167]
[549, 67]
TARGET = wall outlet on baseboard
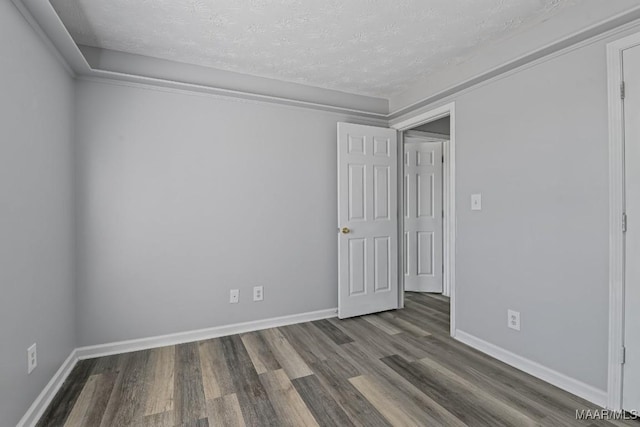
[513, 319]
[32, 358]
[234, 296]
[258, 293]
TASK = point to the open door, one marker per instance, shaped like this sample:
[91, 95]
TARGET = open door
[367, 220]
[423, 214]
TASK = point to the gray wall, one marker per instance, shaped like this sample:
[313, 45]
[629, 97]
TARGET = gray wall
[179, 190]
[36, 247]
[535, 144]
[185, 196]
[442, 126]
[583, 15]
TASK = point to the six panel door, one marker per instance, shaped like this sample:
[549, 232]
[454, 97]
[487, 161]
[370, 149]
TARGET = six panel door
[422, 215]
[367, 220]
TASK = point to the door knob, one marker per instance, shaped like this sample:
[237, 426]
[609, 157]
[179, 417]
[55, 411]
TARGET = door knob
[345, 230]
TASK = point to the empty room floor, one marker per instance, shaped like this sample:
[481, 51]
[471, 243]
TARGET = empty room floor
[392, 368]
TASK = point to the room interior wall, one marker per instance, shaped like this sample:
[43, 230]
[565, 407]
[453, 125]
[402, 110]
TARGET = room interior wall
[586, 17]
[161, 233]
[441, 126]
[36, 205]
[185, 196]
[534, 143]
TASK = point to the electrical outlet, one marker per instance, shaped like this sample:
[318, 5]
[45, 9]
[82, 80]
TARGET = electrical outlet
[32, 358]
[258, 293]
[513, 319]
[234, 296]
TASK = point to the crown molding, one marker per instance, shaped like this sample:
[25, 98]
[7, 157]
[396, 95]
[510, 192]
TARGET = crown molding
[91, 62]
[85, 62]
[144, 69]
[598, 31]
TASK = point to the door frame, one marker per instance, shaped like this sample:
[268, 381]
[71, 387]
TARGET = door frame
[616, 212]
[449, 201]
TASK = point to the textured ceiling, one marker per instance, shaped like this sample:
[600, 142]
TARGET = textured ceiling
[371, 47]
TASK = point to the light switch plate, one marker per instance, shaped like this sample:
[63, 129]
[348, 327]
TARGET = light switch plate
[234, 296]
[476, 202]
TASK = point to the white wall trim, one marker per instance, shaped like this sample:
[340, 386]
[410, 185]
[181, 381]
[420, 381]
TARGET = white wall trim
[37, 408]
[449, 199]
[572, 385]
[577, 40]
[616, 209]
[42, 13]
[418, 119]
[50, 26]
[118, 347]
[192, 90]
[231, 93]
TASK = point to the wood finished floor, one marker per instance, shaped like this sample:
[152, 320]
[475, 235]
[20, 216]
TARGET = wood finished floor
[397, 368]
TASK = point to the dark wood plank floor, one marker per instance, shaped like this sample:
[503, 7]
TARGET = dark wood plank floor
[397, 368]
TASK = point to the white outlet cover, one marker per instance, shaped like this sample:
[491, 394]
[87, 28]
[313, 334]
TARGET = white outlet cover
[476, 202]
[513, 319]
[32, 358]
[258, 293]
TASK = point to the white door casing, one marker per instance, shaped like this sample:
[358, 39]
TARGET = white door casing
[449, 183]
[631, 367]
[367, 220]
[423, 215]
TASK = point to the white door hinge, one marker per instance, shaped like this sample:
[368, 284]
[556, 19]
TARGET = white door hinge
[624, 222]
[622, 90]
[623, 355]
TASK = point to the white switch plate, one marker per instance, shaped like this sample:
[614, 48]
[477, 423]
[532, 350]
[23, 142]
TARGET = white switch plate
[476, 202]
[513, 319]
[234, 296]
[32, 358]
[258, 293]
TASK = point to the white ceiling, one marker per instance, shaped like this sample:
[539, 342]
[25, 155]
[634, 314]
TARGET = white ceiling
[369, 47]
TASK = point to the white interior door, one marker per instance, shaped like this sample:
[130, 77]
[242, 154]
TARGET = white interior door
[368, 220]
[631, 367]
[423, 215]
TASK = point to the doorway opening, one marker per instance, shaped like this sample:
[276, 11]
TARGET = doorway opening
[423, 217]
[427, 215]
[371, 226]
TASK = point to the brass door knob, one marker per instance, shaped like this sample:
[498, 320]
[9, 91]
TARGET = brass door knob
[345, 230]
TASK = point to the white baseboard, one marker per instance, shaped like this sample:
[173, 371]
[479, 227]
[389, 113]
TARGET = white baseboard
[37, 408]
[573, 386]
[90, 352]
[43, 400]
